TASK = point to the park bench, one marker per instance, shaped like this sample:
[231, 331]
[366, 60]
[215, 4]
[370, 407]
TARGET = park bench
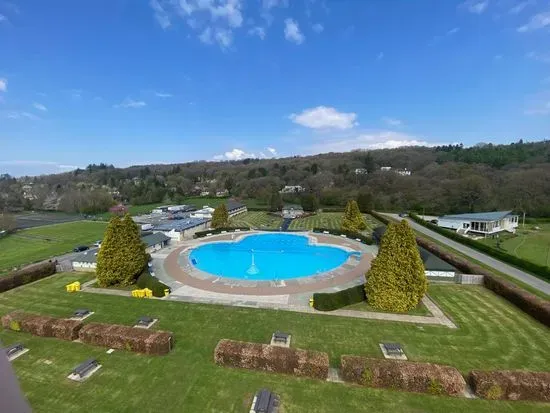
[84, 368]
[393, 349]
[265, 402]
[279, 337]
[80, 313]
[144, 321]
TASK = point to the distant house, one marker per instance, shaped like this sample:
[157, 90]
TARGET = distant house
[205, 193]
[161, 209]
[403, 172]
[118, 209]
[204, 213]
[155, 242]
[223, 193]
[185, 228]
[385, 168]
[291, 211]
[292, 189]
[235, 207]
[483, 223]
[361, 171]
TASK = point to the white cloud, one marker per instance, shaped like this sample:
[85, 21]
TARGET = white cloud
[131, 103]
[392, 121]
[518, 8]
[323, 117]
[206, 36]
[454, 30]
[161, 15]
[537, 22]
[370, 140]
[257, 31]
[234, 155]
[3, 84]
[292, 31]
[3, 18]
[317, 27]
[380, 56]
[14, 114]
[163, 95]
[269, 4]
[542, 108]
[475, 6]
[40, 106]
[38, 163]
[497, 57]
[273, 151]
[539, 57]
[224, 37]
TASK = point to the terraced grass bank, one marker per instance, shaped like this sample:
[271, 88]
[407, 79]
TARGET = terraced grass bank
[329, 220]
[491, 334]
[40, 243]
[256, 219]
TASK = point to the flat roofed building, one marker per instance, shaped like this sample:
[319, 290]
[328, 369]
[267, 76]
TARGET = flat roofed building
[482, 223]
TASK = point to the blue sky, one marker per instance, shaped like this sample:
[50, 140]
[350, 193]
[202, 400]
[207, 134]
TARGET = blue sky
[134, 82]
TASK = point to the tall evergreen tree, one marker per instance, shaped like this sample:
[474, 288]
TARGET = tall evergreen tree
[122, 255]
[353, 220]
[309, 202]
[365, 202]
[276, 202]
[220, 217]
[396, 280]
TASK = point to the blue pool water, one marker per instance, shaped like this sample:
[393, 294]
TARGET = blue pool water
[267, 257]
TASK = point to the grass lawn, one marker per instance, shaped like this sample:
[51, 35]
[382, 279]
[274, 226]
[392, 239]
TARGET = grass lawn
[256, 219]
[364, 306]
[529, 244]
[330, 220]
[48, 241]
[492, 334]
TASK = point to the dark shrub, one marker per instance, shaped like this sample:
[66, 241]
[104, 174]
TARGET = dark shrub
[257, 356]
[531, 304]
[380, 217]
[126, 338]
[339, 299]
[511, 385]
[146, 280]
[26, 275]
[403, 375]
[354, 235]
[539, 270]
[42, 326]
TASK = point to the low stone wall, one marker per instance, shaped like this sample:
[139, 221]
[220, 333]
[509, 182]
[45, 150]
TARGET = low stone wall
[42, 326]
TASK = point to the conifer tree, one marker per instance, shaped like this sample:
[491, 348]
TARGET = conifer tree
[220, 217]
[396, 280]
[353, 220]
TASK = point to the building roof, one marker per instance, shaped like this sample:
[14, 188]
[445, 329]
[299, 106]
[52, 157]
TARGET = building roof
[154, 239]
[433, 262]
[293, 206]
[180, 225]
[89, 256]
[480, 216]
[232, 204]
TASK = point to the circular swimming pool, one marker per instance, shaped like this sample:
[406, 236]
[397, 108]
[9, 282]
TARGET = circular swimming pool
[267, 257]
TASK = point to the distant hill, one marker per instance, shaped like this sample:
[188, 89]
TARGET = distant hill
[435, 180]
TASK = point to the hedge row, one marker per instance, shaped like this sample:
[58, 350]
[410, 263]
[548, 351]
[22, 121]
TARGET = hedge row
[403, 375]
[333, 209]
[529, 303]
[380, 217]
[42, 326]
[146, 280]
[27, 275]
[539, 270]
[354, 235]
[511, 385]
[339, 299]
[257, 356]
[200, 234]
[126, 338]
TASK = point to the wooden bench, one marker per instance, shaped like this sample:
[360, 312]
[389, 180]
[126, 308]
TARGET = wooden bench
[14, 349]
[144, 321]
[84, 368]
[80, 313]
[279, 337]
[265, 402]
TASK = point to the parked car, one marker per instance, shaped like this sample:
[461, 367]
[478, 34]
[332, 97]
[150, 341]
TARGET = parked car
[81, 248]
[97, 244]
[403, 215]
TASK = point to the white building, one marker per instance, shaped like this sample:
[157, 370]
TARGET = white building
[385, 168]
[483, 223]
[291, 211]
[403, 172]
[204, 213]
[235, 207]
[292, 189]
[178, 230]
[361, 171]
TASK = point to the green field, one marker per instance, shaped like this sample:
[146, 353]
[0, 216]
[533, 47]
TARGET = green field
[329, 220]
[530, 244]
[491, 334]
[256, 219]
[40, 243]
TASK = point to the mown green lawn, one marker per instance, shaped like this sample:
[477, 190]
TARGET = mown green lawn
[40, 243]
[256, 219]
[329, 220]
[492, 334]
[530, 244]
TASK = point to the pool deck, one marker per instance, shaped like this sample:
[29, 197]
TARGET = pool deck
[177, 267]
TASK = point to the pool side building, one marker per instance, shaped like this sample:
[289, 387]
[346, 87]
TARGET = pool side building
[483, 223]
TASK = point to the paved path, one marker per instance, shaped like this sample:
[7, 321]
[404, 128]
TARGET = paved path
[500, 266]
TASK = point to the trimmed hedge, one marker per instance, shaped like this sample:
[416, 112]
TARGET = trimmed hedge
[536, 307]
[257, 356]
[146, 280]
[200, 234]
[339, 299]
[511, 385]
[42, 326]
[403, 375]
[333, 209]
[379, 217]
[354, 235]
[27, 275]
[540, 270]
[126, 338]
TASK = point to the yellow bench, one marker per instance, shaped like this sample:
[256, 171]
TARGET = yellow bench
[146, 292]
[72, 287]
